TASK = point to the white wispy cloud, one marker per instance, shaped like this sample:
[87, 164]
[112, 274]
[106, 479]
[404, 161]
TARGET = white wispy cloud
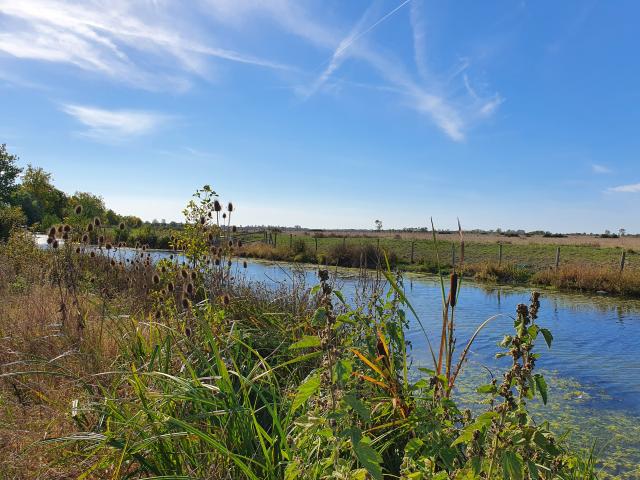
[596, 168]
[115, 125]
[632, 188]
[146, 43]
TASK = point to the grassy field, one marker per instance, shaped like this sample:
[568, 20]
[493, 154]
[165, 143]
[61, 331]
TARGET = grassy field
[586, 263]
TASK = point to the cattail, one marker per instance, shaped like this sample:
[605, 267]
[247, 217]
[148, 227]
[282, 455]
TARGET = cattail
[453, 289]
[96, 222]
[78, 209]
[156, 279]
[216, 206]
[244, 264]
[170, 286]
[226, 299]
[189, 288]
[121, 226]
[90, 227]
[230, 207]
[185, 302]
[67, 228]
[55, 244]
[52, 232]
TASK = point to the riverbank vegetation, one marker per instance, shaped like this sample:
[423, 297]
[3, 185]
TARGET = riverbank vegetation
[117, 367]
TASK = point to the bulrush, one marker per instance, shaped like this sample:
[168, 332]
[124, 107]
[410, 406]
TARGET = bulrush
[78, 209]
[453, 289]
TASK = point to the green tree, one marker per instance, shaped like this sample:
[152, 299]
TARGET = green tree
[92, 205]
[10, 218]
[9, 172]
[38, 198]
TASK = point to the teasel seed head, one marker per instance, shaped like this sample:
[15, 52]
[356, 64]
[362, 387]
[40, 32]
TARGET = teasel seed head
[211, 237]
[244, 264]
[216, 206]
[189, 288]
[77, 249]
[234, 229]
[121, 226]
[55, 244]
[203, 220]
[170, 286]
[90, 227]
[65, 236]
[224, 215]
[226, 300]
[108, 246]
[194, 275]
[239, 243]
[96, 222]
[67, 228]
[163, 269]
[144, 248]
[50, 240]
[229, 263]
[60, 228]
[92, 254]
[230, 207]
[52, 232]
[156, 279]
[101, 239]
[185, 302]
[78, 209]
[184, 274]
[85, 238]
[217, 262]
[113, 262]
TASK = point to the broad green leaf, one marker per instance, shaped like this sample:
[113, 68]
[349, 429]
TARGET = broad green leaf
[542, 387]
[481, 422]
[358, 406]
[413, 446]
[488, 388]
[369, 458]
[342, 370]
[307, 341]
[511, 466]
[547, 336]
[292, 471]
[309, 387]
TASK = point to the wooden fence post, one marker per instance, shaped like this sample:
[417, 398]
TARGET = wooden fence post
[557, 257]
[275, 239]
[499, 254]
[316, 239]
[344, 241]
[290, 240]
[413, 244]
[622, 259]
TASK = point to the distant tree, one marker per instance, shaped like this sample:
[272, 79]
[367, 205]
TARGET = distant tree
[37, 196]
[9, 172]
[622, 232]
[378, 224]
[92, 205]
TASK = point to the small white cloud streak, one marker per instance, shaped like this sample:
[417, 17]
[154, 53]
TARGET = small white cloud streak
[632, 188]
[600, 169]
[419, 34]
[114, 125]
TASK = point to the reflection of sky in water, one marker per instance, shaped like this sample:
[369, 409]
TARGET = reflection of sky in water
[593, 366]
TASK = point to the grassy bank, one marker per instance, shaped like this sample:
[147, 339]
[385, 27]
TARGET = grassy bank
[131, 369]
[582, 267]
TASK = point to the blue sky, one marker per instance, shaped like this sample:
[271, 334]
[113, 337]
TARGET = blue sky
[333, 114]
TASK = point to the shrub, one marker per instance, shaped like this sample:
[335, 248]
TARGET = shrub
[10, 218]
